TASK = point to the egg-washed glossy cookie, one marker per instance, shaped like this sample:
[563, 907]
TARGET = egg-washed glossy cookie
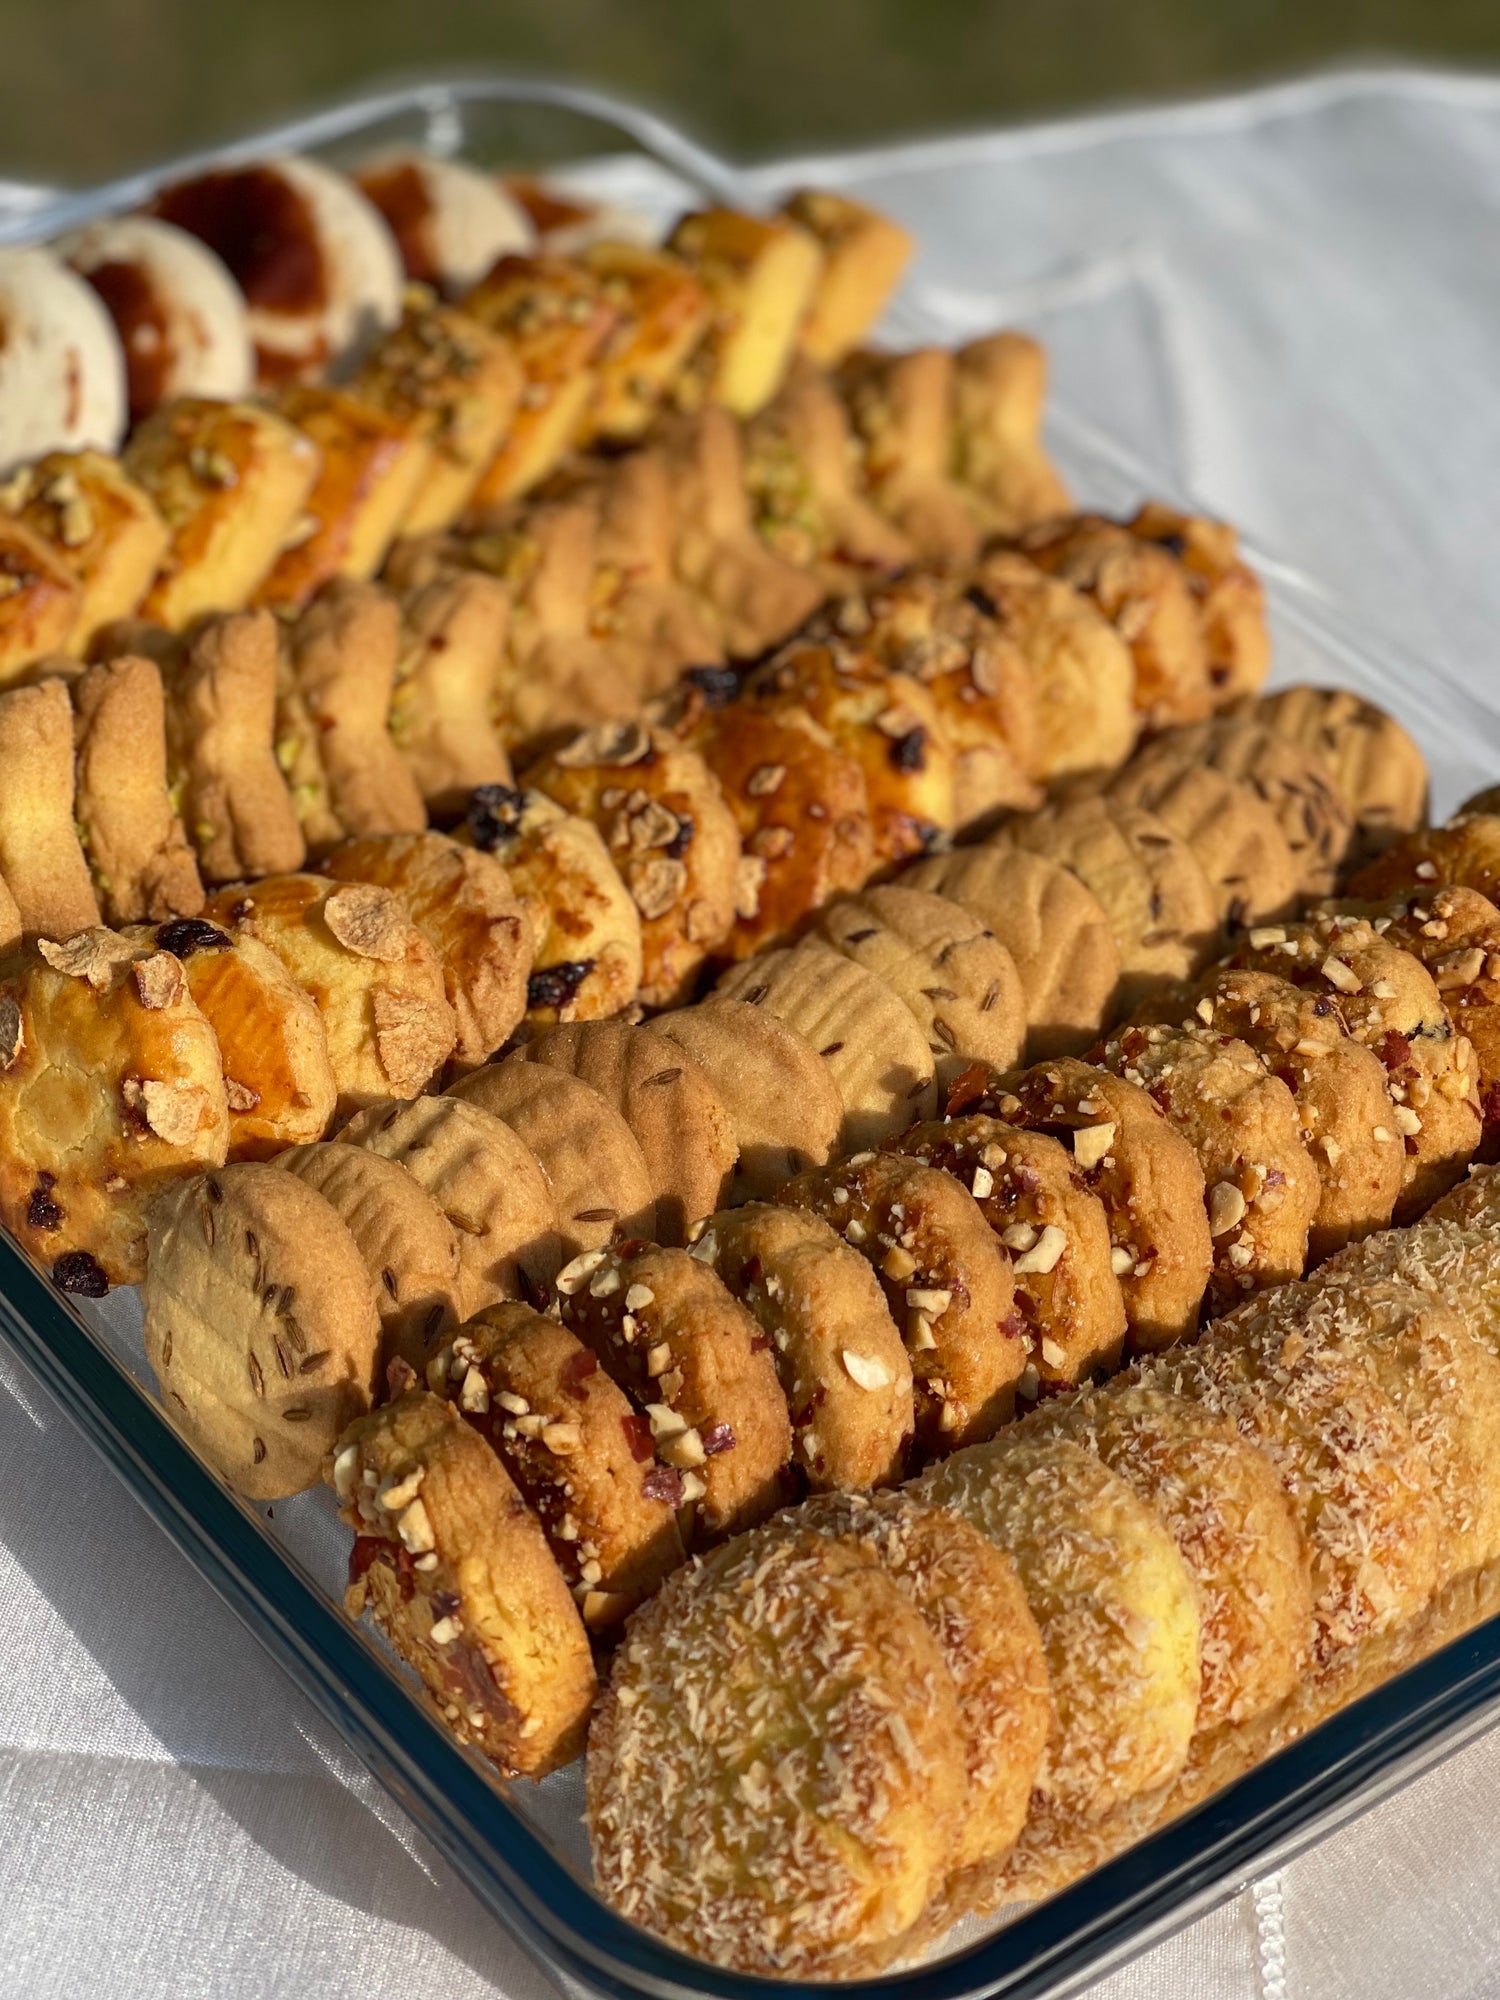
[409, 1246]
[461, 901]
[1233, 832]
[137, 851]
[39, 613]
[864, 254]
[662, 313]
[760, 275]
[601, 1186]
[948, 1285]
[110, 1088]
[844, 1372]
[877, 1053]
[668, 831]
[453, 633]
[779, 1093]
[1055, 929]
[377, 981]
[577, 1448]
[103, 527]
[958, 981]
[1116, 1605]
[41, 857]
[1035, 1199]
[585, 927]
[486, 1183]
[776, 1773]
[450, 1563]
[1231, 600]
[698, 1367]
[1221, 1501]
[260, 1324]
[1379, 770]
[1466, 850]
[1143, 1171]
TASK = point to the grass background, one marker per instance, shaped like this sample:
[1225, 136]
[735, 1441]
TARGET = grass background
[90, 87]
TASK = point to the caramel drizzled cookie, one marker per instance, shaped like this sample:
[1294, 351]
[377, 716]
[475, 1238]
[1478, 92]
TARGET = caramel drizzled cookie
[41, 857]
[461, 901]
[1230, 597]
[698, 1368]
[1465, 851]
[948, 1284]
[377, 981]
[876, 1052]
[1054, 928]
[1234, 833]
[142, 864]
[1379, 770]
[451, 1564]
[486, 1183]
[1036, 1202]
[844, 1372]
[260, 1324]
[453, 633]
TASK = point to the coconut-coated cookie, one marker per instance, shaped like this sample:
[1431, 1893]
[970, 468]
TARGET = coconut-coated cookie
[260, 1324]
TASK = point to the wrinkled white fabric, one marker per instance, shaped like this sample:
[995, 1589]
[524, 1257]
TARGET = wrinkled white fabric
[1291, 301]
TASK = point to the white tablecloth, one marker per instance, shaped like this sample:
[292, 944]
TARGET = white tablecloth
[1295, 296]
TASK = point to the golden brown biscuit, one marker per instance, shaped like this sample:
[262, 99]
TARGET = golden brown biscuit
[1161, 905]
[901, 407]
[601, 1187]
[761, 274]
[661, 314]
[103, 527]
[377, 981]
[871, 1042]
[1000, 386]
[1465, 851]
[457, 1574]
[581, 1454]
[843, 1369]
[685, 1132]
[1143, 1171]
[452, 641]
[1380, 772]
[864, 254]
[948, 1284]
[1054, 928]
[1231, 601]
[260, 1324]
[1035, 1200]
[40, 598]
[1235, 835]
[41, 856]
[137, 850]
[231, 481]
[461, 902]
[698, 1366]
[484, 1180]
[790, 1655]
[409, 1246]
[585, 928]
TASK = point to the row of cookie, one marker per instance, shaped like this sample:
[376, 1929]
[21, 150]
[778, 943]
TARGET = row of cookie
[838, 1733]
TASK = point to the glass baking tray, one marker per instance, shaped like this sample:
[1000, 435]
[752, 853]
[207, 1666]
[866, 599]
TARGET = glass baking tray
[521, 1848]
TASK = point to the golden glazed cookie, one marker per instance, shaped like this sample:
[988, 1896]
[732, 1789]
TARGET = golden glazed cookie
[41, 857]
[875, 1050]
[1379, 770]
[1116, 1605]
[142, 864]
[486, 1183]
[1231, 602]
[260, 1324]
[103, 527]
[40, 611]
[1466, 851]
[780, 1096]
[761, 275]
[1235, 834]
[843, 1370]
[585, 928]
[456, 1573]
[453, 634]
[864, 254]
[948, 1285]
[662, 313]
[1054, 928]
[409, 1246]
[601, 1186]
[577, 1449]
[776, 1773]
[684, 1131]
[698, 1366]
[1223, 1505]
[109, 1090]
[958, 981]
[461, 901]
[1144, 1172]
[1035, 1200]
[377, 981]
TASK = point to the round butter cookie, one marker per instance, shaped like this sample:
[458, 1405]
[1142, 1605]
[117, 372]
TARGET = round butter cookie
[1379, 770]
[1233, 832]
[1231, 601]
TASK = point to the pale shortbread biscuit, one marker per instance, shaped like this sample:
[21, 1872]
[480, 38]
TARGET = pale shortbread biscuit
[41, 857]
[1236, 836]
[1379, 770]
[1000, 386]
[450, 220]
[453, 633]
[136, 848]
[901, 407]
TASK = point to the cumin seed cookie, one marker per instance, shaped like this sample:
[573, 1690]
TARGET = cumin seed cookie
[1234, 833]
[450, 1563]
[1054, 928]
[948, 1285]
[843, 1370]
[1379, 770]
[875, 1050]
[377, 981]
[698, 1367]
[110, 1089]
[1466, 850]
[260, 1324]
[486, 1183]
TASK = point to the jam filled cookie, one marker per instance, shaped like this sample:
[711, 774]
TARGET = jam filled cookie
[843, 1370]
[1231, 600]
[1235, 835]
[136, 848]
[260, 1324]
[452, 1566]
[1380, 772]
[41, 857]
[453, 634]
